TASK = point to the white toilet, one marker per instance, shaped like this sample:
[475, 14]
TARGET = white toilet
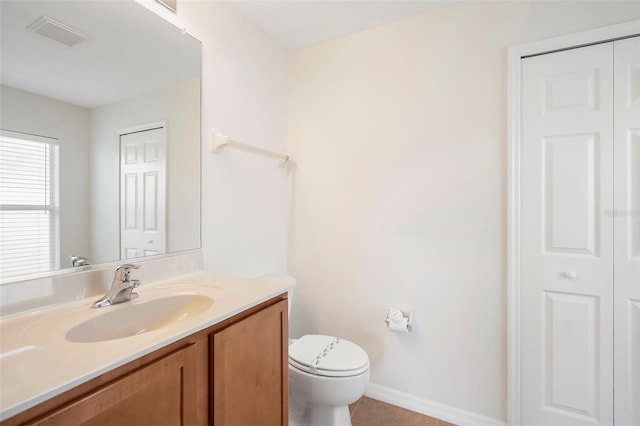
[326, 374]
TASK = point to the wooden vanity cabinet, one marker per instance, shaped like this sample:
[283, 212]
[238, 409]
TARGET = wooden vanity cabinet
[250, 371]
[231, 374]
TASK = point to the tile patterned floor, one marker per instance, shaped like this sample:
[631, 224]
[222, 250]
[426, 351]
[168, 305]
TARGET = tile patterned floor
[370, 412]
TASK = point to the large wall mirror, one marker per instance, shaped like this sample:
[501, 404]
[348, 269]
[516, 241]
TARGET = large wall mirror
[100, 140]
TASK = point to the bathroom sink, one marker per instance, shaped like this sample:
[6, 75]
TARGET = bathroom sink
[131, 319]
[154, 310]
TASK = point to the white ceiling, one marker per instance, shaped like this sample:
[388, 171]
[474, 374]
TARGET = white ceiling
[129, 51]
[299, 23]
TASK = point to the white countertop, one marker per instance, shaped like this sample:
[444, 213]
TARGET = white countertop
[38, 363]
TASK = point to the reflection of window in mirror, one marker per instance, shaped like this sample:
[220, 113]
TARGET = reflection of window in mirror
[29, 217]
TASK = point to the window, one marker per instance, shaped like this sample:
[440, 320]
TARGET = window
[29, 240]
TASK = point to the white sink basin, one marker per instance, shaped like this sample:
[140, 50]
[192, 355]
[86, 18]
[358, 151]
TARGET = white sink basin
[84, 324]
[133, 319]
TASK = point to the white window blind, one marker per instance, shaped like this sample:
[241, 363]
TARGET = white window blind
[28, 204]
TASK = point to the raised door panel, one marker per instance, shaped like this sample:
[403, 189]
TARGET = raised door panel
[161, 393]
[571, 221]
[567, 242]
[571, 353]
[250, 373]
[626, 219]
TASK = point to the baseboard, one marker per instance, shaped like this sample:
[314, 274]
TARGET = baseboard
[430, 408]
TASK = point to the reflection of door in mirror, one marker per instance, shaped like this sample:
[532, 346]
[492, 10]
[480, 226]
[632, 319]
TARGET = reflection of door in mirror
[143, 192]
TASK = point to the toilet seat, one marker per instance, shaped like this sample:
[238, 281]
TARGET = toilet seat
[328, 356]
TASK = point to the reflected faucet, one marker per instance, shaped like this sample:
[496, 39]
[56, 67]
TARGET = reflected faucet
[121, 288]
[77, 261]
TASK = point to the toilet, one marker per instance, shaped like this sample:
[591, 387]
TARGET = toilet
[326, 374]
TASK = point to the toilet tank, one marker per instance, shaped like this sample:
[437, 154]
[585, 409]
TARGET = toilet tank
[286, 279]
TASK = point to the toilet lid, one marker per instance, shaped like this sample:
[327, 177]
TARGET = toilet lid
[328, 356]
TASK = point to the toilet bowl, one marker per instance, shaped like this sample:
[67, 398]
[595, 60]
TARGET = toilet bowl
[326, 374]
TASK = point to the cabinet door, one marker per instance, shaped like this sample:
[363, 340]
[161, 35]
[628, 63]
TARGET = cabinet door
[250, 380]
[161, 393]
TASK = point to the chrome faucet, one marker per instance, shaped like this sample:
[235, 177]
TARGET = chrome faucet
[121, 288]
[77, 261]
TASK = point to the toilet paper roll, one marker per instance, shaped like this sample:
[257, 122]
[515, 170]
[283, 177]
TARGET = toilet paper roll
[395, 314]
[401, 325]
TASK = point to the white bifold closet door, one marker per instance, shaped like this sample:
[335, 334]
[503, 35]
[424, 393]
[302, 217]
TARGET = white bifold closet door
[580, 240]
[627, 231]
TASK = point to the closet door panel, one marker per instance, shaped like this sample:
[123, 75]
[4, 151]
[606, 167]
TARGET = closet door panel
[626, 219]
[566, 242]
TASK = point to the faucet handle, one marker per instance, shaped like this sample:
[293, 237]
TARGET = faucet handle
[128, 266]
[123, 271]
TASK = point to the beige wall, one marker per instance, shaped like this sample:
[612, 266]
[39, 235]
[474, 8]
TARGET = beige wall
[399, 194]
[244, 195]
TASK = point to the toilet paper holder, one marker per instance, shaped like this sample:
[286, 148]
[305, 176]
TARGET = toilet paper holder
[398, 319]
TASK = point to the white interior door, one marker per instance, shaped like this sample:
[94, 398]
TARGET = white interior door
[143, 193]
[566, 239]
[626, 217]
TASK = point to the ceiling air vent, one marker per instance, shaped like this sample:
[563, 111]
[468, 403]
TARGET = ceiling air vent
[57, 31]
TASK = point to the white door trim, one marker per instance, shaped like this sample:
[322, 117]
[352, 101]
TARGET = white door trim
[142, 127]
[515, 54]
